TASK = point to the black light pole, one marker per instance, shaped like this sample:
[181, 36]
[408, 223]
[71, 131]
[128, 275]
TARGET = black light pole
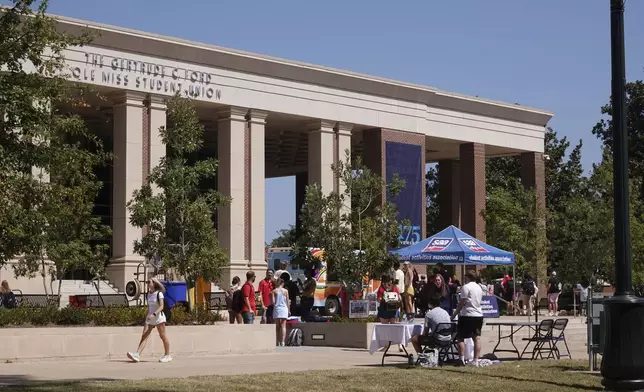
[623, 360]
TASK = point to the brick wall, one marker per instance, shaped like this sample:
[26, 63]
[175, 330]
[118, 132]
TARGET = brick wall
[449, 196]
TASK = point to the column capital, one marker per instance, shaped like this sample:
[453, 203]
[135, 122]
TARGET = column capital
[127, 98]
[324, 126]
[232, 113]
[256, 116]
[344, 128]
[156, 102]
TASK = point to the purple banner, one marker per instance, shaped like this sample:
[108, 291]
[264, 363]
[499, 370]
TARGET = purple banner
[406, 160]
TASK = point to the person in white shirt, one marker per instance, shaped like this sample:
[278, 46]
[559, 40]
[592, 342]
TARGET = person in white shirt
[155, 319]
[470, 317]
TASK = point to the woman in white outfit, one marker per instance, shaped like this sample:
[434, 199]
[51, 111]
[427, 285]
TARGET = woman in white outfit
[279, 297]
[155, 318]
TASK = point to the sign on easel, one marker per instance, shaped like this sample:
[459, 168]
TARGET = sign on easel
[359, 308]
[490, 306]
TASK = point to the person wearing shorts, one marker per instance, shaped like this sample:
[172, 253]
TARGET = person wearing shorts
[470, 318]
[553, 294]
[155, 319]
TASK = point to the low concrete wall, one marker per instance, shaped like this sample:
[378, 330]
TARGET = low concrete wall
[352, 335]
[114, 342]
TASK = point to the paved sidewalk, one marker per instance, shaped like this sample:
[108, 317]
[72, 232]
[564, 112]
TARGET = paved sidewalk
[290, 359]
[286, 359]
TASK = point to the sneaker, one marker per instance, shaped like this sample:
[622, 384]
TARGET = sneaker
[134, 357]
[165, 359]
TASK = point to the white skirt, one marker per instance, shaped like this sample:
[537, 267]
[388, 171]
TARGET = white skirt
[159, 319]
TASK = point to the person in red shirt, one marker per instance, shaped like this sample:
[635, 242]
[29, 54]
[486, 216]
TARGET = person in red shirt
[248, 290]
[266, 286]
[387, 309]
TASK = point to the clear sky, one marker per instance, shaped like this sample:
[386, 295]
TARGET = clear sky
[548, 54]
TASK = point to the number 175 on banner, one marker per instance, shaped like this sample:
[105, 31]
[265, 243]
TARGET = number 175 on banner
[410, 234]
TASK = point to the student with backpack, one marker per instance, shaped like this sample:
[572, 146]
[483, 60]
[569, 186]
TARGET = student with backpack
[156, 319]
[554, 289]
[7, 298]
[528, 293]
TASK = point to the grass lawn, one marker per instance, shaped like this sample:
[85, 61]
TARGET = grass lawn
[550, 376]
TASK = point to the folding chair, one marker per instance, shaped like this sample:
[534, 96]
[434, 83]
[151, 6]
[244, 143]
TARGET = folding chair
[444, 341]
[542, 336]
[558, 335]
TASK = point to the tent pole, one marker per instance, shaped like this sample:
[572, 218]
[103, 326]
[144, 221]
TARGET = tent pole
[514, 289]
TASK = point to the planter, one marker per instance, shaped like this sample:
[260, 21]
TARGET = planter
[350, 335]
[114, 342]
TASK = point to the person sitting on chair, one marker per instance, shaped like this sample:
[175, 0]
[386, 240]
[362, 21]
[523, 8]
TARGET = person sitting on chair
[435, 316]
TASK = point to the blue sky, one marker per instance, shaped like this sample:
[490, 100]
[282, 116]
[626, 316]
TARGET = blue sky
[549, 54]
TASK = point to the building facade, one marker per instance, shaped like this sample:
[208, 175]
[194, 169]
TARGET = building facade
[267, 117]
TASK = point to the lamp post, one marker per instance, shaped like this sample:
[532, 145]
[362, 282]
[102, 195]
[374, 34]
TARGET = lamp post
[623, 360]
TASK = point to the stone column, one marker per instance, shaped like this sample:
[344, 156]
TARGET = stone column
[255, 161]
[533, 177]
[342, 144]
[321, 154]
[449, 182]
[231, 182]
[128, 150]
[472, 171]
[156, 120]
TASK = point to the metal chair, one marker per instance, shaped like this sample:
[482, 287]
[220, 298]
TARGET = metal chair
[542, 336]
[444, 341]
[558, 335]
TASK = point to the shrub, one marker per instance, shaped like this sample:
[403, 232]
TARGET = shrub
[109, 316]
[370, 319]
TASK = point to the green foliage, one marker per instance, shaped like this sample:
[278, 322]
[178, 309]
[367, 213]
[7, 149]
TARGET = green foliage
[285, 238]
[432, 192]
[353, 226]
[341, 319]
[47, 156]
[106, 317]
[175, 211]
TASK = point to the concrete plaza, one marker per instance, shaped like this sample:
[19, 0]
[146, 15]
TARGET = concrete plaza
[286, 359]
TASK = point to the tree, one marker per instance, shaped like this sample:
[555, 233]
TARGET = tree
[432, 191]
[355, 239]
[285, 238]
[31, 80]
[634, 129]
[47, 157]
[175, 212]
[61, 223]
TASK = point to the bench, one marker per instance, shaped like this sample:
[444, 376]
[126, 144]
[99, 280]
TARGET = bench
[99, 301]
[216, 300]
[37, 300]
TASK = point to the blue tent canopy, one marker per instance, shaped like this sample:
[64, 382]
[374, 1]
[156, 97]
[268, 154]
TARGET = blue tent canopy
[453, 246]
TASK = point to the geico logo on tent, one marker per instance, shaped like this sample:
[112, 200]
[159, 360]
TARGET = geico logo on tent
[437, 244]
[472, 245]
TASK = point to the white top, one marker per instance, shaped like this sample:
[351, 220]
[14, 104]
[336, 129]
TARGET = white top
[473, 296]
[400, 276]
[153, 304]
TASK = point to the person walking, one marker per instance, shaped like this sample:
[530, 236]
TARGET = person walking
[281, 302]
[528, 293]
[554, 289]
[470, 318]
[155, 319]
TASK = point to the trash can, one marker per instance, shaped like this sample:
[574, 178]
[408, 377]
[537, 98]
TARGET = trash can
[175, 292]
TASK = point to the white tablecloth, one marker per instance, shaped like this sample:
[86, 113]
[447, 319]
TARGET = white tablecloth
[395, 333]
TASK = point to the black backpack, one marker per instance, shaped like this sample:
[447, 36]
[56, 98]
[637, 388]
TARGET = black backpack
[528, 288]
[167, 308]
[9, 300]
[238, 301]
